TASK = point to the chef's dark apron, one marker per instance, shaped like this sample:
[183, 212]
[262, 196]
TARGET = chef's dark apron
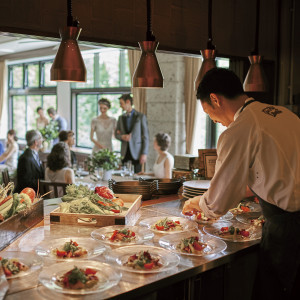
[278, 275]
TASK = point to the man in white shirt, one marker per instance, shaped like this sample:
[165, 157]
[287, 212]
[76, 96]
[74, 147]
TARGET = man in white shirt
[259, 149]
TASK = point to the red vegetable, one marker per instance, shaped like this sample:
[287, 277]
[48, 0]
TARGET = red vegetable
[224, 229]
[29, 192]
[61, 253]
[115, 210]
[159, 227]
[5, 200]
[104, 192]
[197, 246]
[244, 233]
[90, 271]
[149, 266]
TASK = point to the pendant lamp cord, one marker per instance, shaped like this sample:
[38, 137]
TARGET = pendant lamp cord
[255, 51]
[149, 34]
[70, 21]
[209, 42]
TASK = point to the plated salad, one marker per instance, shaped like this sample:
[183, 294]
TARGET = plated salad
[69, 250]
[191, 245]
[258, 221]
[12, 266]
[78, 278]
[124, 235]
[143, 261]
[167, 224]
[234, 232]
[241, 208]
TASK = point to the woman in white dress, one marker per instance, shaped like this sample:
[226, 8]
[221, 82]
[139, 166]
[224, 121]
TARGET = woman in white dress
[58, 163]
[10, 156]
[104, 127]
[42, 120]
[164, 162]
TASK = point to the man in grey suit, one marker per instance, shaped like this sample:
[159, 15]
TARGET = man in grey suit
[132, 131]
[60, 121]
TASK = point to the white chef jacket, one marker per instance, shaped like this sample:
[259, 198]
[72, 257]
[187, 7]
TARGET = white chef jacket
[261, 149]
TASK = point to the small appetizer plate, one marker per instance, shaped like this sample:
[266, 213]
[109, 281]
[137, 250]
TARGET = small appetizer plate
[255, 218]
[107, 277]
[177, 243]
[219, 229]
[107, 236]
[48, 249]
[184, 224]
[119, 258]
[32, 261]
[228, 216]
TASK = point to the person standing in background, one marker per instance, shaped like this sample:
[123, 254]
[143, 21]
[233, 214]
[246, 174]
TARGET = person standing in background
[30, 168]
[132, 131]
[104, 127]
[41, 121]
[10, 155]
[57, 119]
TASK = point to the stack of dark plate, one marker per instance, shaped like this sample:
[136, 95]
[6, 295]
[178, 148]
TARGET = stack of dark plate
[195, 188]
[144, 188]
[166, 186]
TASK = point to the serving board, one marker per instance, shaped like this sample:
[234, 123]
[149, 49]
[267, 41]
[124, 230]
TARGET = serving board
[18, 224]
[132, 201]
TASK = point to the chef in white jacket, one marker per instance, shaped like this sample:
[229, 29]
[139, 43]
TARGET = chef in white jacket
[261, 149]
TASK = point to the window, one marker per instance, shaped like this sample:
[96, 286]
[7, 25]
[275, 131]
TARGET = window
[207, 132]
[29, 87]
[108, 76]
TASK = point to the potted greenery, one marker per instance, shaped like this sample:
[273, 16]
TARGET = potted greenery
[49, 133]
[106, 159]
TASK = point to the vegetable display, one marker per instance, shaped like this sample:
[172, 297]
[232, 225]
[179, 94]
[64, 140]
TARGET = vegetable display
[78, 279]
[69, 250]
[124, 235]
[167, 225]
[12, 266]
[80, 199]
[143, 261]
[191, 245]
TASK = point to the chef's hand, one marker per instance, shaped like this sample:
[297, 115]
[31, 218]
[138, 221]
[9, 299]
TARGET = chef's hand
[143, 158]
[191, 204]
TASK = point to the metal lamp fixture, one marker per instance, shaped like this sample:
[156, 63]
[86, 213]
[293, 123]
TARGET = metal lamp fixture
[68, 64]
[255, 80]
[208, 54]
[147, 73]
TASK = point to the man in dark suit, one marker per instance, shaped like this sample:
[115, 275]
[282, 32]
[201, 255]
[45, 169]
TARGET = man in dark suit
[30, 168]
[132, 131]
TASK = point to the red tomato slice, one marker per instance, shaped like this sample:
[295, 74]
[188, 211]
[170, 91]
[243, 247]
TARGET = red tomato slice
[29, 192]
[149, 266]
[104, 192]
[90, 271]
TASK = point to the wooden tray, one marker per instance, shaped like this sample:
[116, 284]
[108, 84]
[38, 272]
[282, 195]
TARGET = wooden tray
[133, 202]
[18, 224]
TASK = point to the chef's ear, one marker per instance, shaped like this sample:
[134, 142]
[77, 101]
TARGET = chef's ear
[214, 98]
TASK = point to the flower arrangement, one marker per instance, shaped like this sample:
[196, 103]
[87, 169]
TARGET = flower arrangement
[50, 131]
[104, 158]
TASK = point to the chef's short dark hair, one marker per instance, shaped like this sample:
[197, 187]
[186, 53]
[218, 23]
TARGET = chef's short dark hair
[219, 81]
[127, 97]
[163, 140]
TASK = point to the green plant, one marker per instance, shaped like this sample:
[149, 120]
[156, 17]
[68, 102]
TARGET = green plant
[50, 131]
[104, 158]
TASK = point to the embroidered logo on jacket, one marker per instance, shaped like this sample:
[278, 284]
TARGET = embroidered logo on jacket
[272, 111]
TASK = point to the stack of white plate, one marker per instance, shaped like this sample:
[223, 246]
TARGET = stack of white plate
[195, 188]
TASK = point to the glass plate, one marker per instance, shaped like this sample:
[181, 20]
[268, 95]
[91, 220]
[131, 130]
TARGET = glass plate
[186, 224]
[47, 248]
[29, 259]
[119, 256]
[141, 235]
[247, 218]
[214, 246]
[254, 208]
[228, 216]
[214, 229]
[108, 277]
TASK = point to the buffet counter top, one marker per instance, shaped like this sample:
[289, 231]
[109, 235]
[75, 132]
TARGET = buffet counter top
[132, 285]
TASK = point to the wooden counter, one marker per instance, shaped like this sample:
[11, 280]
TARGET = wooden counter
[227, 275]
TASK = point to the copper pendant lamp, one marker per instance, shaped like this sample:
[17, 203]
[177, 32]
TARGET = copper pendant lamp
[255, 80]
[147, 73]
[68, 64]
[209, 54]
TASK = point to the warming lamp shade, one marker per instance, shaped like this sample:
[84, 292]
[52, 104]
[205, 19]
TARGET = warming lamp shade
[255, 80]
[208, 63]
[68, 64]
[147, 73]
